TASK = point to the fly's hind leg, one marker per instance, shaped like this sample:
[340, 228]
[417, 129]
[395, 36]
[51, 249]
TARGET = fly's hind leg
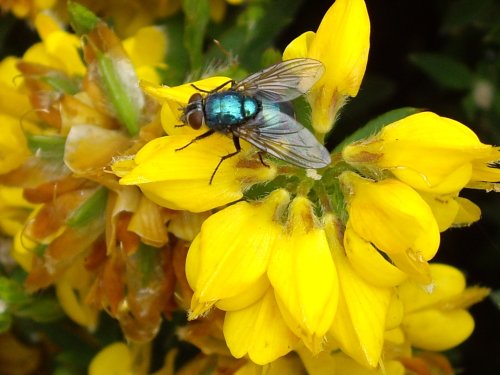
[204, 135]
[236, 142]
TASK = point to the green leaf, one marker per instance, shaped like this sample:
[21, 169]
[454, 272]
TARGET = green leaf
[12, 293]
[177, 58]
[41, 309]
[197, 15]
[255, 30]
[90, 209]
[50, 147]
[82, 20]
[5, 321]
[465, 12]
[374, 126]
[445, 70]
[123, 103]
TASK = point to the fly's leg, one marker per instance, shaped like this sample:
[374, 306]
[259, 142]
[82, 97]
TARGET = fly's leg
[262, 160]
[204, 135]
[231, 81]
[236, 142]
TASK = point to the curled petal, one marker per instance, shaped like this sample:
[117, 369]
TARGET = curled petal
[391, 215]
[180, 179]
[369, 263]
[438, 330]
[304, 277]
[258, 331]
[429, 152]
[360, 321]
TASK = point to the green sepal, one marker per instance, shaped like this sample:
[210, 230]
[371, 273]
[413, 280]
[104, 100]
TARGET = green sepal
[82, 19]
[92, 208]
[147, 262]
[126, 110]
[62, 84]
[49, 147]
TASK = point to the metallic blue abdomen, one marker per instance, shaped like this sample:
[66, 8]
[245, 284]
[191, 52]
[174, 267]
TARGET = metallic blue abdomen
[226, 109]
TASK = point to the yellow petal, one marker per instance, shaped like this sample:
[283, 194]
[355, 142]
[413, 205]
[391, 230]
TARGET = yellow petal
[299, 47]
[391, 215]
[369, 263]
[444, 208]
[242, 300]
[147, 47]
[289, 365]
[186, 225]
[233, 251]
[90, 148]
[429, 152]
[180, 179]
[341, 43]
[13, 146]
[258, 331]
[438, 330]
[360, 321]
[447, 281]
[304, 277]
[468, 213]
[115, 358]
[181, 94]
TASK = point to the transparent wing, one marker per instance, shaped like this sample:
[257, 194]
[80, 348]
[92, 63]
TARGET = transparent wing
[282, 136]
[282, 82]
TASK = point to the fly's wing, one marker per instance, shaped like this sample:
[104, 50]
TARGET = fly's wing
[282, 82]
[280, 135]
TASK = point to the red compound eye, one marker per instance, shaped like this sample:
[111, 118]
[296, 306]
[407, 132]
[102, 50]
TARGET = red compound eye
[195, 118]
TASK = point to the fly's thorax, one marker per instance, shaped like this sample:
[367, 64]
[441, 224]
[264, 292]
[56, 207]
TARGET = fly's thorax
[193, 113]
[229, 108]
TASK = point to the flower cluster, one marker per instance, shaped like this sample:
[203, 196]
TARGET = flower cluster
[274, 265]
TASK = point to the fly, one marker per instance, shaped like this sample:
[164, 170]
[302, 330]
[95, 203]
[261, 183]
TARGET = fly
[257, 109]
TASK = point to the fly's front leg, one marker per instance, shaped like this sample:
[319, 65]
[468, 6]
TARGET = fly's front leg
[236, 142]
[262, 160]
[204, 135]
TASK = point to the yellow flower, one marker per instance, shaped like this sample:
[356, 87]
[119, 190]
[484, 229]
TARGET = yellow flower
[147, 49]
[13, 145]
[231, 254]
[58, 48]
[304, 277]
[435, 318]
[341, 43]
[430, 153]
[27, 8]
[14, 210]
[123, 359]
[177, 179]
[393, 218]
